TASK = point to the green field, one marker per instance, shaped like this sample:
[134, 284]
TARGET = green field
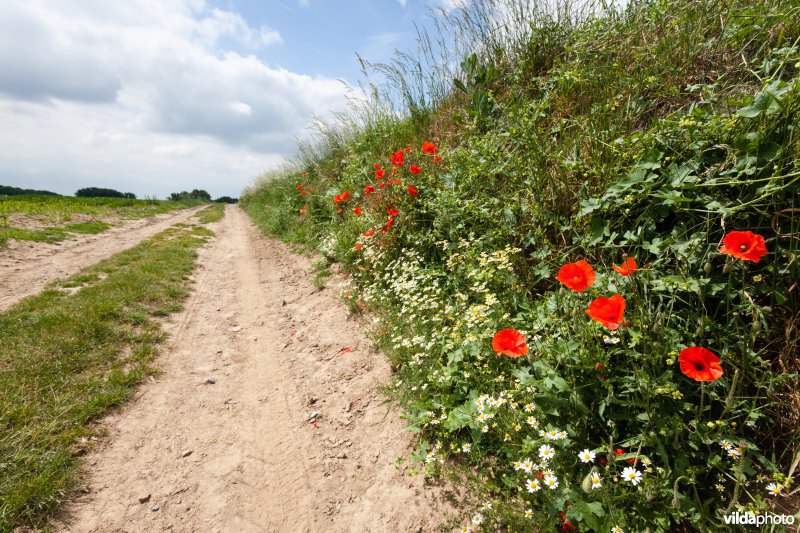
[53, 216]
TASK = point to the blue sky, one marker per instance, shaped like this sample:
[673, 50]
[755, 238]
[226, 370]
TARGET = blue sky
[156, 96]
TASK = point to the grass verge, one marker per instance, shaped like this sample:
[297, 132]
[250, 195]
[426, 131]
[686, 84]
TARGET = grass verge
[212, 213]
[54, 234]
[68, 356]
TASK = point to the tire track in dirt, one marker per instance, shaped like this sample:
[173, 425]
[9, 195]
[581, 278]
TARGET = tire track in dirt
[27, 267]
[254, 353]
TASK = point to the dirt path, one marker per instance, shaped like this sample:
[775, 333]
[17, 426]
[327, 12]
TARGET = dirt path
[26, 267]
[222, 441]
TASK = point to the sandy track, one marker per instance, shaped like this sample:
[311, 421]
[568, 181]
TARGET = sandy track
[26, 267]
[271, 343]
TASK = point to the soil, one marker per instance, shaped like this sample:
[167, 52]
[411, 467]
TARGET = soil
[26, 267]
[267, 415]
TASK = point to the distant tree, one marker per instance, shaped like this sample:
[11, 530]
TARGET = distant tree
[130, 195]
[196, 194]
[7, 190]
[226, 200]
[98, 192]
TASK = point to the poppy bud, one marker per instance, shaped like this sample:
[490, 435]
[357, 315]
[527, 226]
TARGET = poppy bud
[756, 325]
[728, 266]
[707, 267]
[699, 331]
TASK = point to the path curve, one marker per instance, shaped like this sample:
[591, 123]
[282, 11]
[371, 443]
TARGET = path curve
[26, 267]
[224, 439]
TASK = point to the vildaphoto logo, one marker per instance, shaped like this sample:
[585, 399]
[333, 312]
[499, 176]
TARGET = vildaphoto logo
[752, 519]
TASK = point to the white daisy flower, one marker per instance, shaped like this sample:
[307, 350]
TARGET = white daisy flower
[774, 489]
[617, 529]
[532, 485]
[528, 513]
[532, 422]
[466, 448]
[487, 506]
[632, 475]
[527, 465]
[551, 482]
[597, 481]
[546, 452]
[586, 456]
[477, 519]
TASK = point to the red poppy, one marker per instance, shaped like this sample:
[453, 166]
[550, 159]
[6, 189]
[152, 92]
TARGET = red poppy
[567, 526]
[369, 233]
[700, 364]
[345, 195]
[337, 199]
[394, 171]
[413, 191]
[398, 182]
[302, 211]
[408, 148]
[376, 166]
[380, 173]
[339, 210]
[577, 276]
[358, 246]
[608, 311]
[397, 158]
[428, 148]
[357, 210]
[599, 367]
[392, 212]
[415, 169]
[369, 189]
[299, 187]
[383, 185]
[745, 245]
[437, 158]
[510, 342]
[627, 268]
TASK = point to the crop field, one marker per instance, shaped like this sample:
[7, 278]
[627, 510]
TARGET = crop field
[55, 218]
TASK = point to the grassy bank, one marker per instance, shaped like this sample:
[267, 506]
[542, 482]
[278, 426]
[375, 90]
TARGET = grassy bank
[652, 133]
[73, 352]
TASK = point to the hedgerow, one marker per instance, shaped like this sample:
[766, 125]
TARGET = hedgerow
[582, 260]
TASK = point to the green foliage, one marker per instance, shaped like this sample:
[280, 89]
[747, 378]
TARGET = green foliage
[650, 133]
[98, 192]
[210, 214]
[7, 190]
[62, 364]
[196, 194]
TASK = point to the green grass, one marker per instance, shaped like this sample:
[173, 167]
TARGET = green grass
[52, 234]
[67, 356]
[212, 213]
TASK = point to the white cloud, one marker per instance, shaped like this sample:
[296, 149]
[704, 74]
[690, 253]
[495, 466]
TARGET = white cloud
[87, 87]
[402, 2]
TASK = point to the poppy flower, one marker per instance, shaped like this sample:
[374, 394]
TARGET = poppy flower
[339, 210]
[302, 211]
[567, 526]
[376, 166]
[428, 148]
[744, 245]
[415, 169]
[577, 276]
[392, 212]
[413, 191]
[627, 268]
[394, 171]
[608, 311]
[408, 148]
[358, 246]
[337, 199]
[369, 189]
[383, 185]
[345, 195]
[369, 233]
[380, 173]
[437, 158]
[299, 187]
[302, 193]
[398, 182]
[700, 364]
[509, 342]
[357, 210]
[397, 158]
